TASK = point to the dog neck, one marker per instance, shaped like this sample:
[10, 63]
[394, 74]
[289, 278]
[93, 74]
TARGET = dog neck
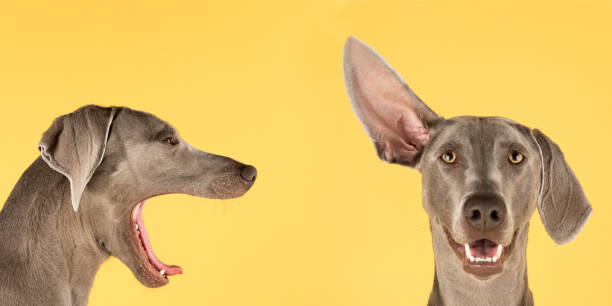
[454, 286]
[47, 248]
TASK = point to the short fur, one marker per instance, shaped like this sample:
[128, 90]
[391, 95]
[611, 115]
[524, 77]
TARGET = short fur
[405, 131]
[70, 209]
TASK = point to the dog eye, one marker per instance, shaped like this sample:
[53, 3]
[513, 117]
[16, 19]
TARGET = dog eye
[170, 140]
[448, 157]
[516, 157]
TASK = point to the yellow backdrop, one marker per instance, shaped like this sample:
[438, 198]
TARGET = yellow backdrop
[327, 223]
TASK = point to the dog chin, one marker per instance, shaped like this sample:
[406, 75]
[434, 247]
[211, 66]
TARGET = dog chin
[482, 257]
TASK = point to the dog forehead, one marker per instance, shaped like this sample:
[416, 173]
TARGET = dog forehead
[134, 121]
[470, 131]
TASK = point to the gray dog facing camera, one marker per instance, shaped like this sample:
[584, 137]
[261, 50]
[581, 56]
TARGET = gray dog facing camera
[482, 179]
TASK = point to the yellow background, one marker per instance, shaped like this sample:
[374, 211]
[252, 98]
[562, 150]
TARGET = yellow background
[327, 223]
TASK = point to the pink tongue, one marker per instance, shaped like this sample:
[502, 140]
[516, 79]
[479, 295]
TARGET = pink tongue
[483, 248]
[144, 236]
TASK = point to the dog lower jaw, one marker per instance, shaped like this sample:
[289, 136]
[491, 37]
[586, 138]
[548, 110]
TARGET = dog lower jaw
[148, 269]
[151, 271]
[482, 266]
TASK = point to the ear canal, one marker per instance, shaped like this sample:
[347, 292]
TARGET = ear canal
[74, 146]
[563, 207]
[394, 118]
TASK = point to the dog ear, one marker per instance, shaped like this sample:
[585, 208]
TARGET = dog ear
[563, 207]
[74, 145]
[393, 116]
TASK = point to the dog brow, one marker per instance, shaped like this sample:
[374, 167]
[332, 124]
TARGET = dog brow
[166, 131]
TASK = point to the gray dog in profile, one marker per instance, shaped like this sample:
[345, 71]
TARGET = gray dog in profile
[82, 201]
[482, 179]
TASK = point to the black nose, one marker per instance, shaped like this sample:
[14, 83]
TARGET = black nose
[484, 212]
[248, 173]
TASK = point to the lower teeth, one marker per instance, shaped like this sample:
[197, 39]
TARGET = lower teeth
[468, 254]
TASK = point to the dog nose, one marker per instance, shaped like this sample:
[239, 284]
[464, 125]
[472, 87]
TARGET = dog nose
[248, 173]
[484, 212]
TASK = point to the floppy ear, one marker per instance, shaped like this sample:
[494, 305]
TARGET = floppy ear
[74, 145]
[394, 117]
[563, 207]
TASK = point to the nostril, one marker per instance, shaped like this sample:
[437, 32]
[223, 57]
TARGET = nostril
[494, 215]
[475, 216]
[248, 173]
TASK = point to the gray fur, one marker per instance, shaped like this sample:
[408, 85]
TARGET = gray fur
[102, 161]
[405, 131]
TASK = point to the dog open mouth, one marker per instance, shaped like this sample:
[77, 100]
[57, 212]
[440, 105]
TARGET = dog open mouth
[483, 257]
[157, 271]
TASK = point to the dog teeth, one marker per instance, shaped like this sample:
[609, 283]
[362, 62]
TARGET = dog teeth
[137, 226]
[468, 255]
[162, 272]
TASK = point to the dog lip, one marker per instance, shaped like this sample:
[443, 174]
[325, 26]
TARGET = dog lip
[483, 251]
[483, 264]
[156, 271]
[229, 187]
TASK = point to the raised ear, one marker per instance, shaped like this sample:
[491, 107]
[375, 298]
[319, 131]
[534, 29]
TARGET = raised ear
[394, 117]
[563, 207]
[74, 145]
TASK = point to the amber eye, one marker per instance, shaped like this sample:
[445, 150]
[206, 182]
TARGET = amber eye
[516, 157]
[170, 140]
[448, 157]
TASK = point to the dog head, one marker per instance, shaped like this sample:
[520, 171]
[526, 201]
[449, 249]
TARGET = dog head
[482, 177]
[117, 158]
